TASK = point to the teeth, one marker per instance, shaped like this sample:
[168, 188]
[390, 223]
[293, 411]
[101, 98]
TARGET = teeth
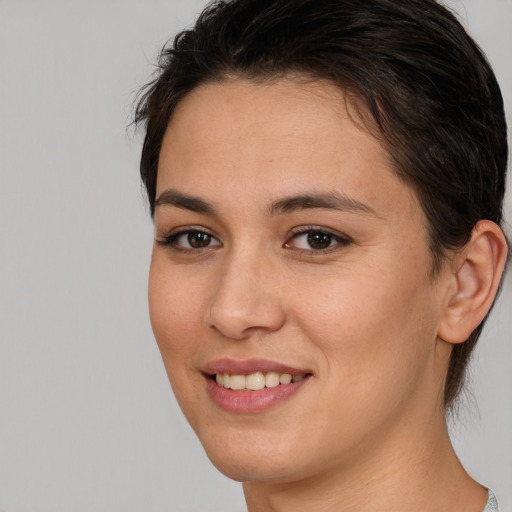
[285, 378]
[272, 379]
[255, 381]
[236, 381]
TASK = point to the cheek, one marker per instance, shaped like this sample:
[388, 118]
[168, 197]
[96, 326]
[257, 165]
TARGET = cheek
[174, 311]
[374, 324]
[376, 342]
[175, 314]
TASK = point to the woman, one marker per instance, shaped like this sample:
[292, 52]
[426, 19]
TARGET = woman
[326, 180]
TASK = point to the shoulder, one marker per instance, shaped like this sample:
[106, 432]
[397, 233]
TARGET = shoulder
[492, 503]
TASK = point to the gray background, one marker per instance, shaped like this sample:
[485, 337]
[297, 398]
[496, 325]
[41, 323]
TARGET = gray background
[87, 420]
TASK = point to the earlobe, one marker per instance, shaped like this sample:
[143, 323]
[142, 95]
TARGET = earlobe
[478, 268]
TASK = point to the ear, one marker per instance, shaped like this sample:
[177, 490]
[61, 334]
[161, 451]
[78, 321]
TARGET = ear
[475, 278]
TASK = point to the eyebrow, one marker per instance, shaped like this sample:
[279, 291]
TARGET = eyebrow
[331, 201]
[172, 197]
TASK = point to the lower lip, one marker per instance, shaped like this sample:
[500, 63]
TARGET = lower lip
[247, 402]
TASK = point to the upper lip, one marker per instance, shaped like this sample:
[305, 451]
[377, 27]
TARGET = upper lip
[248, 366]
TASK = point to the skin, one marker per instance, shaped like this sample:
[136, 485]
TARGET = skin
[365, 316]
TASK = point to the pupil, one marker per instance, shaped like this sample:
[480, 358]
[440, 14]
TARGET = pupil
[199, 240]
[319, 240]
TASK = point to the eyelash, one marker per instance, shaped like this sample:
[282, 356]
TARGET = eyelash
[335, 240]
[170, 240]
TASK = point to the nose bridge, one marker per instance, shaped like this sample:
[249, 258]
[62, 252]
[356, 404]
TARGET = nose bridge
[246, 297]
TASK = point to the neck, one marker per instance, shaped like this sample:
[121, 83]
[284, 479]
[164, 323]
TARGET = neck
[415, 469]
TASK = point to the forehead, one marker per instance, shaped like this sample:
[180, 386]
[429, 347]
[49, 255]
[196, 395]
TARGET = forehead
[277, 138]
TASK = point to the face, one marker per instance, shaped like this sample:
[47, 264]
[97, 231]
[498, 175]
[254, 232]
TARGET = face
[290, 290]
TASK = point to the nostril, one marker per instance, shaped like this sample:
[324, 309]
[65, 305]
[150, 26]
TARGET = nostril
[242, 307]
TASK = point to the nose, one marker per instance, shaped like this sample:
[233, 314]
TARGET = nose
[246, 299]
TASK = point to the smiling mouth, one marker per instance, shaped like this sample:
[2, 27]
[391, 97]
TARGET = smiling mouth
[256, 381]
[252, 386]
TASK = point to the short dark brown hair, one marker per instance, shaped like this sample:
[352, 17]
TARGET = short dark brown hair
[430, 93]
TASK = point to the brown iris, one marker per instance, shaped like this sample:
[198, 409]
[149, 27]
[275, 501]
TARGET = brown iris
[199, 240]
[318, 240]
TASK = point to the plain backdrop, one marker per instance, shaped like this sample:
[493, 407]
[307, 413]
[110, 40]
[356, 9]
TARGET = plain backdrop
[87, 419]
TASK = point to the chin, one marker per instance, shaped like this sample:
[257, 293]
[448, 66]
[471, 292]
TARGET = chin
[243, 469]
[246, 457]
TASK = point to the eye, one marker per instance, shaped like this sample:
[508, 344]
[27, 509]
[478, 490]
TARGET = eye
[190, 239]
[316, 240]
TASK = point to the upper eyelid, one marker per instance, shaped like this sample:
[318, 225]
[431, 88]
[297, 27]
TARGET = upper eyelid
[294, 231]
[187, 229]
[300, 230]
[341, 241]
[171, 236]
